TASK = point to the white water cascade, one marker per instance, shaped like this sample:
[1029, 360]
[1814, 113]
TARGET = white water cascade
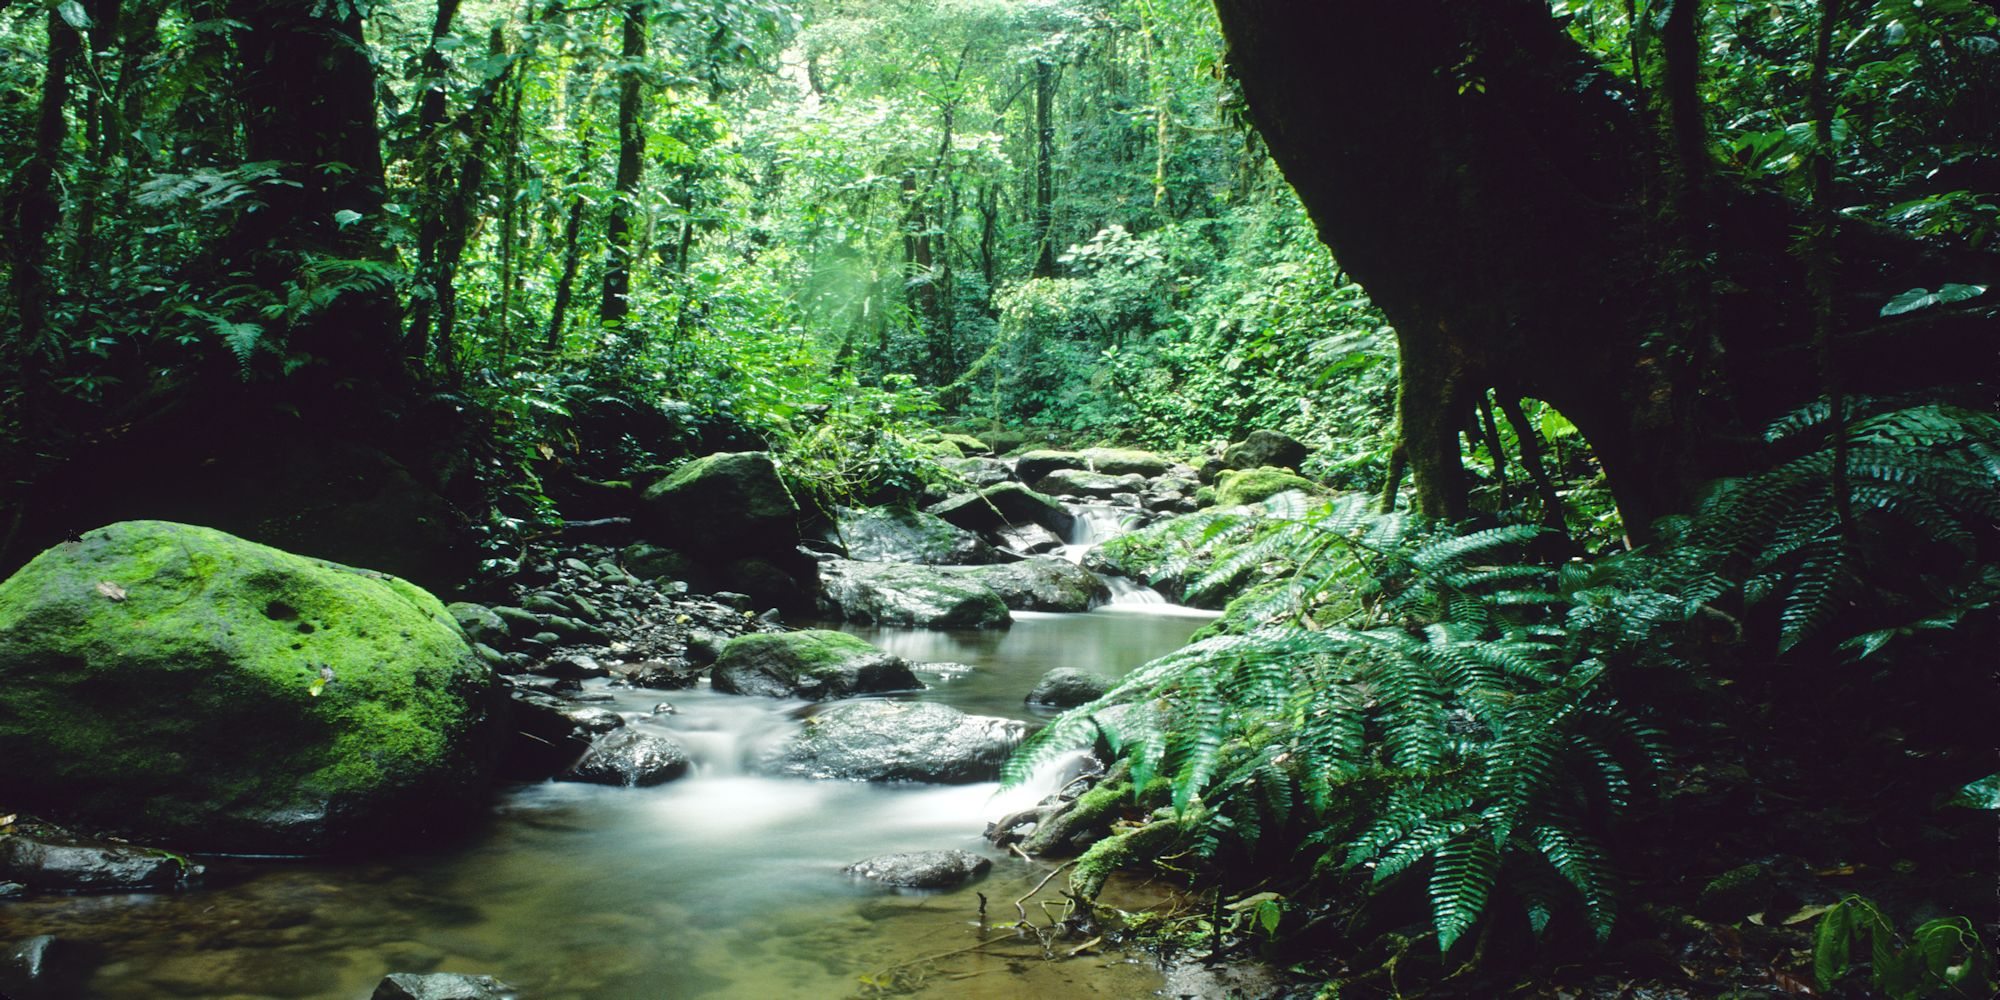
[1094, 525]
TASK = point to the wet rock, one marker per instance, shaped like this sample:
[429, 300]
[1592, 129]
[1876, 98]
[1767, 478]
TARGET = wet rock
[593, 720]
[922, 869]
[542, 739]
[45, 967]
[520, 621]
[479, 623]
[814, 664]
[1027, 539]
[1067, 687]
[1083, 483]
[901, 535]
[1262, 448]
[1126, 462]
[1032, 466]
[996, 507]
[575, 666]
[47, 866]
[1252, 485]
[178, 684]
[764, 582]
[899, 594]
[441, 986]
[897, 741]
[980, 473]
[653, 562]
[727, 504]
[663, 675]
[631, 758]
[545, 603]
[1040, 583]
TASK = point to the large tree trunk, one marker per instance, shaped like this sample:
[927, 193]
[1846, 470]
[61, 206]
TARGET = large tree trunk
[615, 303]
[1482, 178]
[308, 92]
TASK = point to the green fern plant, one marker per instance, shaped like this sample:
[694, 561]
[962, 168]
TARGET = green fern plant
[1440, 720]
[1926, 475]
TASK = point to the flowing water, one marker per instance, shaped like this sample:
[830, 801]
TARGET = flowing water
[722, 884]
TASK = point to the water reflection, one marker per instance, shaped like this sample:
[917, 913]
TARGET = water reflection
[721, 885]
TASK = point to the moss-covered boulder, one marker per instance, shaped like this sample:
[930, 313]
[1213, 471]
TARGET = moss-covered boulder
[1034, 465]
[899, 534]
[1084, 483]
[726, 504]
[1126, 462]
[814, 664]
[179, 684]
[1241, 486]
[902, 594]
[1041, 583]
[1262, 448]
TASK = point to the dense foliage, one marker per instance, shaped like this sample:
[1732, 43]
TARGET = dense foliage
[540, 251]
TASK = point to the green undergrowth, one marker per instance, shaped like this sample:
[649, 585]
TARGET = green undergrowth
[1407, 738]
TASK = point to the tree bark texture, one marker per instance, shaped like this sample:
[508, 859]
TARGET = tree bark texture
[1474, 170]
[616, 304]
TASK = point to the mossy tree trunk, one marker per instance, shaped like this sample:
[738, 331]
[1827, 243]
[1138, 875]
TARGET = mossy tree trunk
[1473, 169]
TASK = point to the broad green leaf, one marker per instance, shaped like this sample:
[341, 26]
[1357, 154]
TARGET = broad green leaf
[1830, 944]
[1954, 292]
[73, 13]
[1983, 794]
[1910, 301]
[346, 217]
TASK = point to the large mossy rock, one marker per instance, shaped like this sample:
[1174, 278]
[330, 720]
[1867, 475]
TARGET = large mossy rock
[726, 504]
[901, 594]
[1126, 462]
[178, 684]
[897, 741]
[1042, 583]
[813, 664]
[1243, 486]
[1034, 465]
[898, 534]
[1091, 485]
[996, 507]
[1263, 448]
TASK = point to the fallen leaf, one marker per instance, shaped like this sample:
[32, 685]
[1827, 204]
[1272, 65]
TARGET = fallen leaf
[111, 590]
[1805, 914]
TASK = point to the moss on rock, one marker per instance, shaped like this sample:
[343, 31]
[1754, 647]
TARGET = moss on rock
[1241, 486]
[174, 682]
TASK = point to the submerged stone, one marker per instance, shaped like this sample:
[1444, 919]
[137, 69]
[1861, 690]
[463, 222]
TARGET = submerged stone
[922, 869]
[441, 986]
[898, 741]
[631, 758]
[50, 866]
[1067, 687]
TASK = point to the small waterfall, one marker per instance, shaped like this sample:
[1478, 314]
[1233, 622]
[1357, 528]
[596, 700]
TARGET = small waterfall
[1126, 592]
[1096, 524]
